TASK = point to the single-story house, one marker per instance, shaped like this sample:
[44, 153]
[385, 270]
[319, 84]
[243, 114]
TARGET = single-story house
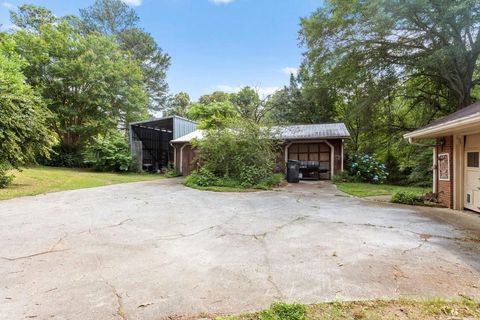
[456, 166]
[322, 143]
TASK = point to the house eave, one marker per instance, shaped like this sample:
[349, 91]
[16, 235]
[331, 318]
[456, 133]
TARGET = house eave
[465, 125]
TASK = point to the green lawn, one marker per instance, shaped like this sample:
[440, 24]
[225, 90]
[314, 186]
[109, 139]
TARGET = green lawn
[38, 180]
[432, 309]
[368, 189]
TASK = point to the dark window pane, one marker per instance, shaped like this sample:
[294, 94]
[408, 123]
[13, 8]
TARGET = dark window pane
[473, 159]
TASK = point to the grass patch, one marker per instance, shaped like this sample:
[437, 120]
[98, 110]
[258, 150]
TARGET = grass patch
[37, 180]
[230, 185]
[376, 309]
[360, 189]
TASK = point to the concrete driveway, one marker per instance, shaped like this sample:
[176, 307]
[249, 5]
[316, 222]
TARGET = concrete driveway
[156, 249]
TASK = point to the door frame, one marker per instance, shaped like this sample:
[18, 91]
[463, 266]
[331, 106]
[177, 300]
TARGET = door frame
[465, 179]
[332, 152]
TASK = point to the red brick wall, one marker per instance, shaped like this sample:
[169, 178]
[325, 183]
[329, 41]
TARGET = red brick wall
[445, 188]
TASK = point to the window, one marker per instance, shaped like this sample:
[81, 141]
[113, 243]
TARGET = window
[473, 159]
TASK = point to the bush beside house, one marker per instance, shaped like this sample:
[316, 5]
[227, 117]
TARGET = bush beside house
[240, 156]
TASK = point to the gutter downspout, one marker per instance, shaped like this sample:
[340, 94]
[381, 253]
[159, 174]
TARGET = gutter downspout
[341, 164]
[174, 156]
[181, 157]
[287, 146]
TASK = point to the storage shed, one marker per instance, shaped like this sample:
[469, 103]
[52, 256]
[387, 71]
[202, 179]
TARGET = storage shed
[456, 150]
[320, 145]
[150, 140]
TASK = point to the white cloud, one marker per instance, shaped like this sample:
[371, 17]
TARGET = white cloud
[266, 91]
[8, 5]
[290, 70]
[227, 88]
[263, 92]
[134, 3]
[219, 2]
[9, 27]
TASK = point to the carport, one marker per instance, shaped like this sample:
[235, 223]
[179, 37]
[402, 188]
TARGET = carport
[150, 141]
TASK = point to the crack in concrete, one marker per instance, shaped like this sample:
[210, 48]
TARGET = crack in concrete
[51, 250]
[121, 223]
[186, 235]
[266, 253]
[414, 248]
[260, 238]
[265, 233]
[120, 308]
[461, 239]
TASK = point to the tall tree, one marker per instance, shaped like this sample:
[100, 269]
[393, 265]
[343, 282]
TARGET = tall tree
[115, 18]
[213, 115]
[434, 39]
[109, 17]
[179, 105]
[88, 82]
[24, 119]
[217, 96]
[302, 101]
[31, 18]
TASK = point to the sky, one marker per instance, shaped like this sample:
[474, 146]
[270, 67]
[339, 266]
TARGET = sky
[214, 44]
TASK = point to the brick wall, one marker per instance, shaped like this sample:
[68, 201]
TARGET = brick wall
[445, 188]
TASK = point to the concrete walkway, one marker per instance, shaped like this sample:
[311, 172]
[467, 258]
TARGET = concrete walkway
[151, 250]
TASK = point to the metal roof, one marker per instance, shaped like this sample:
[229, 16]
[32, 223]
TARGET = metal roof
[293, 132]
[312, 131]
[197, 134]
[155, 121]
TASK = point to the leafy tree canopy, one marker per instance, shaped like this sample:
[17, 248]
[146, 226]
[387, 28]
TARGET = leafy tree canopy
[438, 41]
[179, 105]
[115, 18]
[24, 129]
[88, 82]
[213, 115]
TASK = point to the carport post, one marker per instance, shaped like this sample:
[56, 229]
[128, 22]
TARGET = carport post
[286, 151]
[174, 156]
[341, 157]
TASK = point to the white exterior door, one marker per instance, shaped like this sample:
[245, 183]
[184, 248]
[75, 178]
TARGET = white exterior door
[472, 172]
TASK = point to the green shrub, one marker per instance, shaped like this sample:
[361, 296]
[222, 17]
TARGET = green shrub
[250, 175]
[407, 197]
[284, 311]
[5, 178]
[109, 152]
[64, 156]
[172, 173]
[272, 181]
[245, 153]
[366, 168]
[202, 177]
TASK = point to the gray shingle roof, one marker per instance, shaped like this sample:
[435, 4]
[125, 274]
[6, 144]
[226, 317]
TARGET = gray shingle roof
[312, 131]
[462, 113]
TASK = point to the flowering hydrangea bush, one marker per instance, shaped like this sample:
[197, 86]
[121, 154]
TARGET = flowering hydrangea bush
[366, 168]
